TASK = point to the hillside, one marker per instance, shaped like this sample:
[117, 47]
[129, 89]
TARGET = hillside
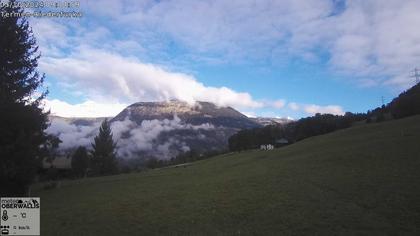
[200, 113]
[407, 103]
[177, 127]
[364, 180]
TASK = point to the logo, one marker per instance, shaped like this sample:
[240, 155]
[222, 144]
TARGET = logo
[20, 216]
[19, 203]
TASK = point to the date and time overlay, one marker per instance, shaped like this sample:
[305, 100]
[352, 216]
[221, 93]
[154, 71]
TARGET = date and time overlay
[37, 9]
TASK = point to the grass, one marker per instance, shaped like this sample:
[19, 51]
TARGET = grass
[360, 181]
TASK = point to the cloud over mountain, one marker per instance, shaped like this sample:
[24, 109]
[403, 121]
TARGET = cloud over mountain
[111, 76]
[133, 138]
[86, 109]
[72, 135]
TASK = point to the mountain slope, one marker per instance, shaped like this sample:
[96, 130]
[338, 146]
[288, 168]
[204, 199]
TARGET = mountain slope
[180, 127]
[359, 181]
[407, 103]
[159, 130]
[271, 121]
[200, 113]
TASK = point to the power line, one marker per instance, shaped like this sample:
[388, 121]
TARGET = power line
[416, 75]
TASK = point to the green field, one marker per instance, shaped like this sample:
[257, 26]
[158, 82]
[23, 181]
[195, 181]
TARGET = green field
[360, 181]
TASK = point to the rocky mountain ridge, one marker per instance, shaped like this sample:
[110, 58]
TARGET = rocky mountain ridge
[196, 114]
[264, 121]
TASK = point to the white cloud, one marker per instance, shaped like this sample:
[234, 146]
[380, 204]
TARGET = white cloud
[72, 135]
[330, 109]
[374, 38]
[104, 75]
[373, 42]
[294, 106]
[131, 138]
[51, 36]
[235, 29]
[86, 109]
[279, 104]
[143, 137]
[367, 38]
[312, 109]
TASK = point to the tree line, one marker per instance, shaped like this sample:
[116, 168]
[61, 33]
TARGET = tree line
[292, 132]
[406, 104]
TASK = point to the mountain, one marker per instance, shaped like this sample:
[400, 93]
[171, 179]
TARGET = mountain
[178, 126]
[199, 113]
[264, 121]
[158, 129]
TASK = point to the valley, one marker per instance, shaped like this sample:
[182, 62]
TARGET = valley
[361, 180]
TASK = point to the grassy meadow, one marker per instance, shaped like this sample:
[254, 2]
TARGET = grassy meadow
[364, 180]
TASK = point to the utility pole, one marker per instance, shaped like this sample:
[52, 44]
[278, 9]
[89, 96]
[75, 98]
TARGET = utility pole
[416, 75]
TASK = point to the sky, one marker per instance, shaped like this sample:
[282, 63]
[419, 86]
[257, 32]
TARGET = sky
[285, 58]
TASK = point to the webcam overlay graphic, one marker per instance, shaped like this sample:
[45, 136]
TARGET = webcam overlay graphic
[20, 216]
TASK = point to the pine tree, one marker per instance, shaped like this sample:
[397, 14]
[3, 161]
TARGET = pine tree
[104, 160]
[80, 162]
[22, 121]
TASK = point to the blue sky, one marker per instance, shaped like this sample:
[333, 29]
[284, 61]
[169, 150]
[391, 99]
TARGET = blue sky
[289, 58]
